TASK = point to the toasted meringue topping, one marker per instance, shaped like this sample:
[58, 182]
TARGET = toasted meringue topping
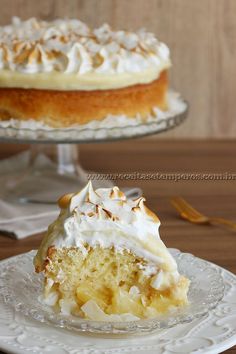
[98, 218]
[64, 201]
[71, 47]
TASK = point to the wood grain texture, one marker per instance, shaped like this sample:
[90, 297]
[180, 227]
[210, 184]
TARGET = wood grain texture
[202, 38]
[214, 198]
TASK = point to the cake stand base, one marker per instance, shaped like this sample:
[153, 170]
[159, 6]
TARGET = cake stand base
[52, 170]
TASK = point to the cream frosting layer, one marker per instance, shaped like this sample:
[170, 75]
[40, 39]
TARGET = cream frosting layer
[76, 56]
[90, 81]
[105, 218]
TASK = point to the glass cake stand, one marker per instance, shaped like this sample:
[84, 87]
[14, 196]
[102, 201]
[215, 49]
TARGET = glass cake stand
[51, 167]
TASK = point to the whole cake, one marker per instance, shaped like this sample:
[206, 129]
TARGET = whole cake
[63, 73]
[103, 259]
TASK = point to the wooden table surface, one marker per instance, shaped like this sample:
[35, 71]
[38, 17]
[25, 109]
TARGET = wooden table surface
[213, 197]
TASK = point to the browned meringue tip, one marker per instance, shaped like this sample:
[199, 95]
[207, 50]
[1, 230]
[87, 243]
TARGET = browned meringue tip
[139, 200]
[116, 192]
[64, 200]
[151, 214]
[140, 203]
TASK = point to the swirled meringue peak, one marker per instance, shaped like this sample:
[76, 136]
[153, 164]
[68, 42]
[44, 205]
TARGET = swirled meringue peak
[106, 218]
[71, 47]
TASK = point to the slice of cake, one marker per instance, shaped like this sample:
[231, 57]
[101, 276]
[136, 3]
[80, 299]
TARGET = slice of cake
[103, 258]
[63, 73]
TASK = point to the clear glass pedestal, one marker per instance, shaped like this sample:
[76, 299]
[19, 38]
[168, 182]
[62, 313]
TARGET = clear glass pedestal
[52, 170]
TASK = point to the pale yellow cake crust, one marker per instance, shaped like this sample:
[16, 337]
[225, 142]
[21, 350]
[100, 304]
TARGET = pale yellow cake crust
[65, 108]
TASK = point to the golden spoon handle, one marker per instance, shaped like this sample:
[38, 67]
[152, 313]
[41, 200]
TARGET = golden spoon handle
[224, 222]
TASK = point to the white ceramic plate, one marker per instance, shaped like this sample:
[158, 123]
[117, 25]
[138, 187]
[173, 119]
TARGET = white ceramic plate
[213, 333]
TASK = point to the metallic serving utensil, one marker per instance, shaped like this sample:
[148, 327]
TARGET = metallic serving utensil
[189, 213]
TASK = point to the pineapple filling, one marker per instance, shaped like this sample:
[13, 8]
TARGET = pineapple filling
[106, 282]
